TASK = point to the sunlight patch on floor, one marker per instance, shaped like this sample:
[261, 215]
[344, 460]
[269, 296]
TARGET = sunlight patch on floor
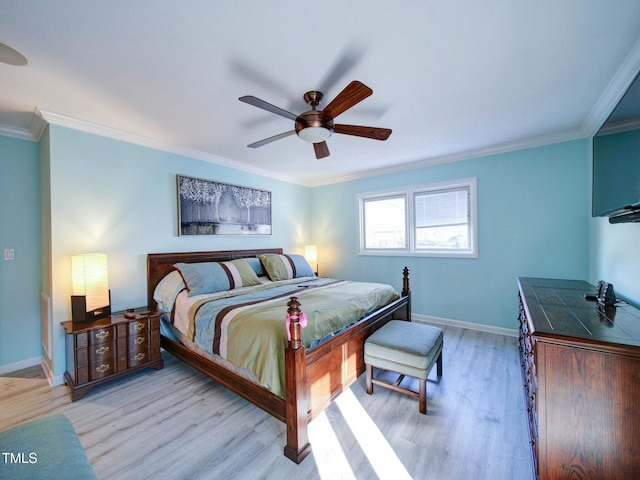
[383, 459]
[330, 459]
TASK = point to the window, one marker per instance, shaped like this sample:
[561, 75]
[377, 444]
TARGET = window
[385, 222]
[428, 220]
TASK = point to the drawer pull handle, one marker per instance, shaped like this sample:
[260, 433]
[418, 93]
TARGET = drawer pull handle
[102, 350]
[102, 334]
[139, 326]
[102, 368]
[139, 356]
[139, 340]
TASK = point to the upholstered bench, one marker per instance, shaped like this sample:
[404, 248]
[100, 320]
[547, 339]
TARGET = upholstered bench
[407, 348]
[47, 448]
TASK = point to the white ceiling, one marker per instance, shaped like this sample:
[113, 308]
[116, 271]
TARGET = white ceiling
[453, 79]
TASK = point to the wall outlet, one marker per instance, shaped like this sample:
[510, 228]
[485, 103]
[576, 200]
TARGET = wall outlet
[9, 254]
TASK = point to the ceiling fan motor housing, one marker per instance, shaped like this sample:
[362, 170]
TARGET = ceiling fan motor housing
[313, 120]
[311, 126]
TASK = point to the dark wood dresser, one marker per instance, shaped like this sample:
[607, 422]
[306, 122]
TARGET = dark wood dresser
[109, 348]
[581, 371]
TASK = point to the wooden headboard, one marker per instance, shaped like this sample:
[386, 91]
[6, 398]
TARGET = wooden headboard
[160, 264]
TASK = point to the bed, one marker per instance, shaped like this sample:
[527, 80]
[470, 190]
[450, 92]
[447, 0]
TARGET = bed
[314, 374]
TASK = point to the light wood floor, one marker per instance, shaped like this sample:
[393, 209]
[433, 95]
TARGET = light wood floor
[177, 424]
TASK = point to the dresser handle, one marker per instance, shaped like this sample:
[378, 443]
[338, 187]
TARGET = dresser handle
[102, 334]
[139, 340]
[102, 350]
[139, 326]
[102, 368]
[139, 356]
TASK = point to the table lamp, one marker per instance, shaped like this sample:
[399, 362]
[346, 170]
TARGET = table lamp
[90, 296]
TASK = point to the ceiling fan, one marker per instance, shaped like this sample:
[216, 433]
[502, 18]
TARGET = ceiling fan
[315, 126]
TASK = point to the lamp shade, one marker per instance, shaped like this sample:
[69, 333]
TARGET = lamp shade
[311, 254]
[90, 278]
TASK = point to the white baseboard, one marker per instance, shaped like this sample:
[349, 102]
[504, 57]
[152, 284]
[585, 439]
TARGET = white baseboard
[12, 367]
[468, 325]
[54, 380]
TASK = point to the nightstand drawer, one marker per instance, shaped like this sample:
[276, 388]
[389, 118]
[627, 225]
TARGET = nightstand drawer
[138, 326]
[101, 335]
[138, 342]
[101, 369]
[95, 353]
[138, 358]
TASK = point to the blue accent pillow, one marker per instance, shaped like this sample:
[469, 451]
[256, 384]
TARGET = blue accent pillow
[206, 277]
[210, 277]
[303, 269]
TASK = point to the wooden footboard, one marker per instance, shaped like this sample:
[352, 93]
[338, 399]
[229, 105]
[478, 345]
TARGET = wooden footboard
[314, 377]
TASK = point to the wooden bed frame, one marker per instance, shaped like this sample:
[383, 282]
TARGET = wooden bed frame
[314, 377]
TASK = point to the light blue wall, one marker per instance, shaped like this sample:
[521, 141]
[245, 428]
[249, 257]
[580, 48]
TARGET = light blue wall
[19, 229]
[120, 199]
[533, 210]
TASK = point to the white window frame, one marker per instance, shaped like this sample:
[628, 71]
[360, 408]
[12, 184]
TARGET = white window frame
[409, 194]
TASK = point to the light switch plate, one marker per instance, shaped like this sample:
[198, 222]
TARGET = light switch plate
[9, 254]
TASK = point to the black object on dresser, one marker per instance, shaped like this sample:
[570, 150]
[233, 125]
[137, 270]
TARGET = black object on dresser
[581, 370]
[109, 348]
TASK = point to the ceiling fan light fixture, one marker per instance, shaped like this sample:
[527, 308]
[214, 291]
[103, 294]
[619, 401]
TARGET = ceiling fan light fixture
[314, 134]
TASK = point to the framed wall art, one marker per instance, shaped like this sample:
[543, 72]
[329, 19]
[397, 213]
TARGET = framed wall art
[206, 207]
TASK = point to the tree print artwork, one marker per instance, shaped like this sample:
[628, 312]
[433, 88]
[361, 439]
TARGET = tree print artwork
[211, 208]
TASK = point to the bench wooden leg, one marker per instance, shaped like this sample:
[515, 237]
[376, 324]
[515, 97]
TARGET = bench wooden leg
[369, 378]
[422, 395]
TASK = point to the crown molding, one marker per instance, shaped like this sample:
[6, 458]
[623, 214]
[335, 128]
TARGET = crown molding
[44, 117]
[619, 127]
[16, 132]
[38, 125]
[54, 118]
[457, 157]
[614, 92]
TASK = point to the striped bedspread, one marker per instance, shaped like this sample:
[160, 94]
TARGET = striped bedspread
[249, 329]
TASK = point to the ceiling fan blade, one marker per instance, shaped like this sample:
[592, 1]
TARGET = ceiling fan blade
[321, 150]
[366, 132]
[354, 93]
[270, 139]
[256, 102]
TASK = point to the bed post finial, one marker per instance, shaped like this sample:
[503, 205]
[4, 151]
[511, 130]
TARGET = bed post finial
[405, 281]
[293, 323]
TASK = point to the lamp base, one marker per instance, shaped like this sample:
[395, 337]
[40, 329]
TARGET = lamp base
[79, 312]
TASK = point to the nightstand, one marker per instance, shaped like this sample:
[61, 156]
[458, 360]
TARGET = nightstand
[110, 348]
